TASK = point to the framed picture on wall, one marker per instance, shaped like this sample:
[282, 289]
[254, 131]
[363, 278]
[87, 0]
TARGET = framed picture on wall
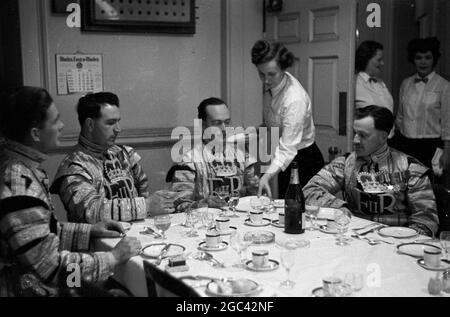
[141, 16]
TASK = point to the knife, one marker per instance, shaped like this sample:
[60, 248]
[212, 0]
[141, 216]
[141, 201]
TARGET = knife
[372, 229]
[163, 253]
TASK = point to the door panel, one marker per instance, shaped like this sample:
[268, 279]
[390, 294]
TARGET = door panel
[321, 34]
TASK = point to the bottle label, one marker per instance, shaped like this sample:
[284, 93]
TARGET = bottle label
[294, 177]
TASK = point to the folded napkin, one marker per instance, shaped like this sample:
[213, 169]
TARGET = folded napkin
[437, 169]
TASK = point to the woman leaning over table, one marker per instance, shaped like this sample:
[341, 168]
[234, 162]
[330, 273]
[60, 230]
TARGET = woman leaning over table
[423, 118]
[288, 107]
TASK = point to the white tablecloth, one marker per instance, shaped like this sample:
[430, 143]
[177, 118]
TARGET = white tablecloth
[386, 272]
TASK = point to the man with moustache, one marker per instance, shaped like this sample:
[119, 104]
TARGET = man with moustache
[37, 252]
[101, 180]
[378, 183]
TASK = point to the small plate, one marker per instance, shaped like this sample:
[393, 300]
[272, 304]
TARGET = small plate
[263, 223]
[272, 265]
[230, 230]
[442, 267]
[318, 292]
[154, 250]
[414, 249]
[276, 223]
[397, 232]
[261, 237]
[325, 229]
[233, 288]
[222, 246]
[292, 243]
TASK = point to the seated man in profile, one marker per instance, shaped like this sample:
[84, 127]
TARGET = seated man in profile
[205, 170]
[37, 252]
[378, 183]
[101, 180]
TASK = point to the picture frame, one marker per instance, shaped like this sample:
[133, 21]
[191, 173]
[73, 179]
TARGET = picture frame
[139, 16]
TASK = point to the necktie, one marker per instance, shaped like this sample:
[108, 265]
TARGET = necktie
[373, 80]
[419, 79]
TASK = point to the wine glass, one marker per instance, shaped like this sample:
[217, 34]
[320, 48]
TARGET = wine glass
[203, 214]
[191, 219]
[256, 204]
[445, 242]
[312, 212]
[240, 243]
[223, 192]
[233, 202]
[287, 256]
[342, 218]
[162, 223]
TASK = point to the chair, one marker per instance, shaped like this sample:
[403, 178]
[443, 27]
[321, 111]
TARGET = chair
[162, 284]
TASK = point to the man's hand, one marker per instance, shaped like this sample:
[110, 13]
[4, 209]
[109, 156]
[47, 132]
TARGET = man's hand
[107, 229]
[159, 204]
[264, 185]
[126, 249]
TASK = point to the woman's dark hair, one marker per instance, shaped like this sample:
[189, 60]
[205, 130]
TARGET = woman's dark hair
[264, 51]
[213, 101]
[90, 105]
[382, 117]
[431, 44]
[365, 51]
[25, 108]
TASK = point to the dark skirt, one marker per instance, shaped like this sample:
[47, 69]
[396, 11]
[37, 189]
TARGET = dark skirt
[310, 162]
[421, 149]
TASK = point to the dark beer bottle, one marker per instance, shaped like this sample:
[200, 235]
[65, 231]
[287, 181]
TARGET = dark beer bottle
[294, 204]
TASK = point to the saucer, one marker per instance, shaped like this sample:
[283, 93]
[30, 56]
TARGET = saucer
[233, 288]
[272, 265]
[442, 267]
[414, 249]
[318, 292]
[261, 236]
[264, 222]
[227, 232]
[397, 232]
[276, 223]
[325, 229]
[222, 246]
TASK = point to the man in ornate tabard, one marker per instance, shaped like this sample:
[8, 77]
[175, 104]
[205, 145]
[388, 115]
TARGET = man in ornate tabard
[101, 180]
[378, 183]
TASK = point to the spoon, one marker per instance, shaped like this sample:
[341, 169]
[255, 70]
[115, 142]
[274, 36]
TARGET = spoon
[209, 257]
[370, 241]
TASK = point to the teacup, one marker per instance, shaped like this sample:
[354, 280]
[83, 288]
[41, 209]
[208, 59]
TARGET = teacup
[260, 258]
[256, 216]
[331, 286]
[222, 223]
[331, 225]
[281, 218]
[212, 239]
[432, 256]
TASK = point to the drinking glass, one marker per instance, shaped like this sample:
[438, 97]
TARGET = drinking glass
[287, 256]
[223, 192]
[312, 212]
[266, 204]
[342, 218]
[445, 243]
[233, 202]
[240, 243]
[191, 220]
[203, 214]
[162, 223]
[256, 205]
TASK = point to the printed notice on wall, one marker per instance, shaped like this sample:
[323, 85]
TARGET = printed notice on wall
[79, 73]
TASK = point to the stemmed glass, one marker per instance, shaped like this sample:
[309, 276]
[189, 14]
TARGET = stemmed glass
[240, 243]
[223, 193]
[256, 204]
[445, 242]
[233, 202]
[162, 223]
[191, 219]
[312, 212]
[287, 256]
[342, 218]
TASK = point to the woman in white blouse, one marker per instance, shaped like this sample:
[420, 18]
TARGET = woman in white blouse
[370, 88]
[288, 107]
[423, 118]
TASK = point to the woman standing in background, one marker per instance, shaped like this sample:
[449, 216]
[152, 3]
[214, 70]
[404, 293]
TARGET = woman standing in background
[288, 107]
